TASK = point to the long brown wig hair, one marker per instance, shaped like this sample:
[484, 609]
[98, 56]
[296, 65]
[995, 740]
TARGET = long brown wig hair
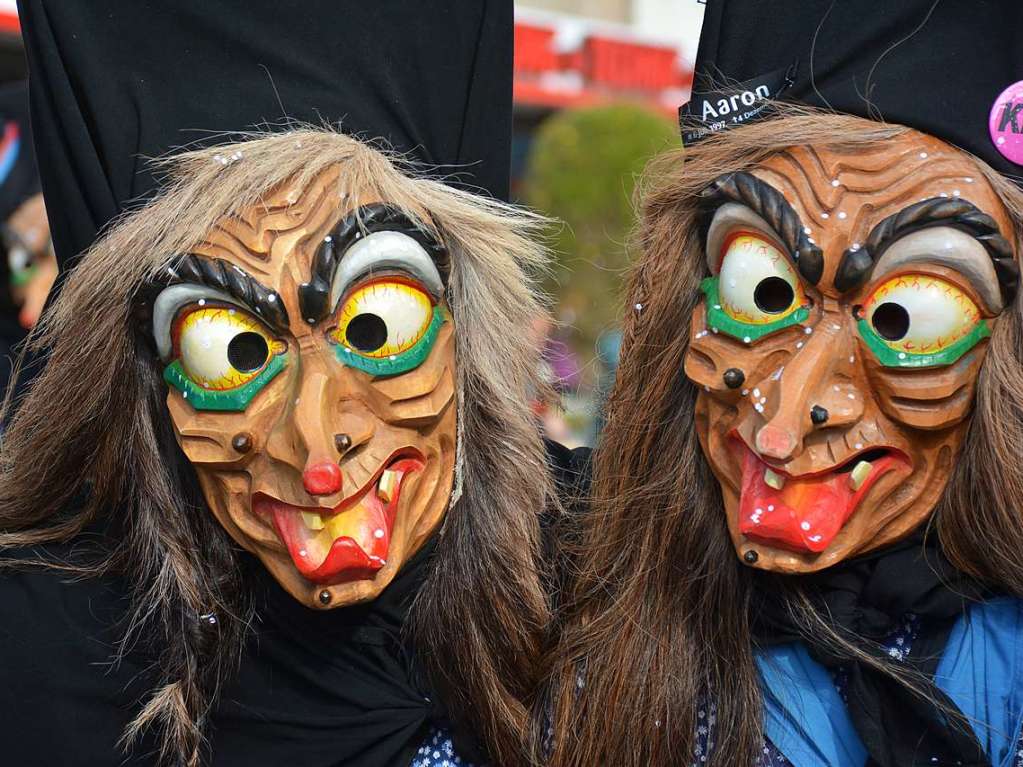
[92, 440]
[656, 623]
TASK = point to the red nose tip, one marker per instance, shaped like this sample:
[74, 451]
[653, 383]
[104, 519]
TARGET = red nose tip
[322, 478]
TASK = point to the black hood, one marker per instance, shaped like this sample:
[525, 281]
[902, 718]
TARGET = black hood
[142, 78]
[935, 65]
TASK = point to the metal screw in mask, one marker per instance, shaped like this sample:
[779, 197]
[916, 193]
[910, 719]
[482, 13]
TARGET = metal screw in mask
[325, 597]
[343, 443]
[751, 557]
[818, 415]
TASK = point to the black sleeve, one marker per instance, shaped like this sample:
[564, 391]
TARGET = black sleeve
[119, 81]
[64, 700]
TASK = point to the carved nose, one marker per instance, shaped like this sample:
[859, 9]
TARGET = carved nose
[775, 442]
[323, 478]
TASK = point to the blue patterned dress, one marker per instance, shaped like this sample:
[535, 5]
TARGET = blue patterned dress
[438, 750]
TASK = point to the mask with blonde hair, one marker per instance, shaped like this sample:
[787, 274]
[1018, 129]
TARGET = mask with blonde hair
[300, 350]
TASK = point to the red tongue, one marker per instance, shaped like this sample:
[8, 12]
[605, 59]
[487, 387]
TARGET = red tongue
[808, 512]
[346, 559]
[356, 554]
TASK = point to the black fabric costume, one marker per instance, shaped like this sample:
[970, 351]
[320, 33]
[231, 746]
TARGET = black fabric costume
[314, 688]
[936, 66]
[134, 79]
[304, 681]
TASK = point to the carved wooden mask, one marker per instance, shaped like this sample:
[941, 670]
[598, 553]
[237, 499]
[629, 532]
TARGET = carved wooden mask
[31, 262]
[839, 344]
[311, 363]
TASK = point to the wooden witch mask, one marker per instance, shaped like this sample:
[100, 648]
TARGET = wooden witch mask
[310, 359]
[838, 347]
[31, 263]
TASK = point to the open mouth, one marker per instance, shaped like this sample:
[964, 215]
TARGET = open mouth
[805, 513]
[349, 542]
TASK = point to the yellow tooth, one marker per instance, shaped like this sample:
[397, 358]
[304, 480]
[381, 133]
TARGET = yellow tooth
[387, 485]
[312, 520]
[859, 475]
[350, 523]
[772, 479]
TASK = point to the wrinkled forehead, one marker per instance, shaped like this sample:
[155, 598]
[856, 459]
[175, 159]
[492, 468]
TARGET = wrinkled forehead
[840, 195]
[272, 239]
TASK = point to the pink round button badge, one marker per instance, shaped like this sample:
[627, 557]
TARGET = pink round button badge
[1006, 123]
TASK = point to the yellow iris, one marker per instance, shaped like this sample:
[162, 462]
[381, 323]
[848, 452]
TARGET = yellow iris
[383, 318]
[221, 347]
[756, 283]
[920, 313]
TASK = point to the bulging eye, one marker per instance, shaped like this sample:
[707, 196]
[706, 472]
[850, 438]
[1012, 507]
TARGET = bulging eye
[19, 258]
[384, 318]
[221, 348]
[919, 320]
[757, 285]
[756, 291]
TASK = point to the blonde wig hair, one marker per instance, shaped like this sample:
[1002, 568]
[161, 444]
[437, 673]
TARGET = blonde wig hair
[92, 440]
[656, 622]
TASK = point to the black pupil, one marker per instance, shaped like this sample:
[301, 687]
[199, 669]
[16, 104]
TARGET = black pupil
[891, 321]
[247, 352]
[367, 332]
[773, 295]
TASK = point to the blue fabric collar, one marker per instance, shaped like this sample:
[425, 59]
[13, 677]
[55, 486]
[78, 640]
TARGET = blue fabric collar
[981, 670]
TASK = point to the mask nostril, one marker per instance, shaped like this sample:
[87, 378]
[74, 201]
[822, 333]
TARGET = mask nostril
[734, 378]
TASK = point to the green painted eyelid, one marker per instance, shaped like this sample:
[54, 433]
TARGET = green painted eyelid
[718, 319]
[396, 364]
[231, 400]
[892, 358]
[21, 277]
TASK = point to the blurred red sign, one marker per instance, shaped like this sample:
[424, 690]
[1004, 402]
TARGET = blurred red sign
[602, 68]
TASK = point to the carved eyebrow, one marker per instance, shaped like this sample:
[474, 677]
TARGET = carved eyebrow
[313, 296]
[766, 201]
[856, 265]
[232, 280]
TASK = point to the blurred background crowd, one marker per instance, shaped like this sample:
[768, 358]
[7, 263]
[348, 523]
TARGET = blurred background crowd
[597, 87]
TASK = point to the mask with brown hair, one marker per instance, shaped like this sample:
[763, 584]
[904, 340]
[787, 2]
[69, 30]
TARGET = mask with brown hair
[851, 272]
[840, 340]
[311, 363]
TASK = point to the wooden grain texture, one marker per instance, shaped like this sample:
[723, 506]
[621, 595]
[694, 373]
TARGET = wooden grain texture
[292, 423]
[922, 413]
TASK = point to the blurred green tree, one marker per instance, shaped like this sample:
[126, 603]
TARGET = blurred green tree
[582, 169]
